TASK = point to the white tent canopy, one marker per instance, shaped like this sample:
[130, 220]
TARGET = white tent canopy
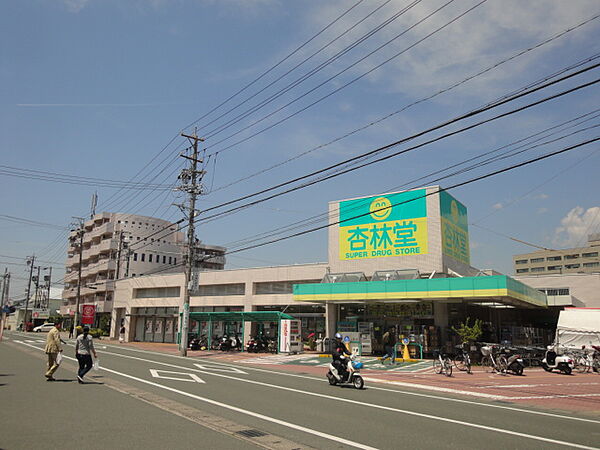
[578, 326]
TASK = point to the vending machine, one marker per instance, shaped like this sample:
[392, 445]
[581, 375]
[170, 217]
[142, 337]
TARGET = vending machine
[290, 336]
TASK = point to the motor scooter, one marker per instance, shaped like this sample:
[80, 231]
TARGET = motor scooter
[514, 362]
[351, 374]
[553, 361]
[225, 344]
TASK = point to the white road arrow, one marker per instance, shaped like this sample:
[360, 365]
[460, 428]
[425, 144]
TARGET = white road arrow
[183, 376]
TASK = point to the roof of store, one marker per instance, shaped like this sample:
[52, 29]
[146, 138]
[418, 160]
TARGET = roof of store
[497, 288]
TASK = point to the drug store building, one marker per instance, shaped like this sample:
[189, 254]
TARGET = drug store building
[397, 260]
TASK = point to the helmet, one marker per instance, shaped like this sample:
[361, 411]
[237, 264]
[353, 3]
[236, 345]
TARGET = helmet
[338, 336]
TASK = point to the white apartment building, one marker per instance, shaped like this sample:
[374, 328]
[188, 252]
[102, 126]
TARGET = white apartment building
[117, 246]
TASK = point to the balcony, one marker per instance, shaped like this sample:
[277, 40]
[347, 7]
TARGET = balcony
[103, 230]
[106, 245]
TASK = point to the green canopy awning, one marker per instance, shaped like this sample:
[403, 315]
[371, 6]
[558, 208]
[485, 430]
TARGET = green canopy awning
[240, 316]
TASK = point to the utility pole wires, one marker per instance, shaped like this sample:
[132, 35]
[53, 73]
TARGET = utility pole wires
[190, 184]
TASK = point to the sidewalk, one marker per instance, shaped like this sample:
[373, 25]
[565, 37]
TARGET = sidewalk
[579, 392]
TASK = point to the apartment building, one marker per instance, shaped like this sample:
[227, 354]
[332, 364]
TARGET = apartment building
[571, 260]
[118, 245]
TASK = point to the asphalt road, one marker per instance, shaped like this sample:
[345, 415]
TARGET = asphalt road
[294, 410]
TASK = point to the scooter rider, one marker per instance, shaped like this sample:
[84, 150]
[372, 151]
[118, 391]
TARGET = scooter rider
[338, 352]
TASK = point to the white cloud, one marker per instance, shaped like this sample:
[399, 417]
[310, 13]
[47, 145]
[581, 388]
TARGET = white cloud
[75, 6]
[542, 210]
[576, 225]
[490, 32]
[498, 206]
[541, 197]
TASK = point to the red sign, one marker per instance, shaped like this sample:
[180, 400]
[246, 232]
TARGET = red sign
[88, 313]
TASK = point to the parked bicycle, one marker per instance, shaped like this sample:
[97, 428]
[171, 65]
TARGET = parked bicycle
[462, 359]
[492, 361]
[442, 364]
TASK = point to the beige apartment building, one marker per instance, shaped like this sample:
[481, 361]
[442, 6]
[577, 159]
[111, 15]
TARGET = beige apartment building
[571, 260]
[117, 246]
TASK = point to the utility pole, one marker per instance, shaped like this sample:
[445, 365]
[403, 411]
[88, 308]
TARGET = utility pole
[31, 262]
[3, 298]
[190, 183]
[48, 283]
[127, 265]
[36, 296]
[80, 245]
[119, 254]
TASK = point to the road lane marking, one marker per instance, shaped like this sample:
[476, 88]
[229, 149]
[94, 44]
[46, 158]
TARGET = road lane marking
[209, 368]
[372, 405]
[191, 377]
[396, 391]
[294, 426]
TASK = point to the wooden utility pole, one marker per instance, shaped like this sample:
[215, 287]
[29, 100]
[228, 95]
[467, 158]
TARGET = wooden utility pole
[190, 183]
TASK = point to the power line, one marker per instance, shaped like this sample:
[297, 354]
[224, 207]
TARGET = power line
[473, 180]
[34, 223]
[414, 136]
[74, 179]
[421, 100]
[311, 72]
[345, 84]
[276, 65]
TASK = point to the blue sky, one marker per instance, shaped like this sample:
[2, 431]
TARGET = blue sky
[97, 88]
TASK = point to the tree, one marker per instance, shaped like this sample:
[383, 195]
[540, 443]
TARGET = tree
[469, 333]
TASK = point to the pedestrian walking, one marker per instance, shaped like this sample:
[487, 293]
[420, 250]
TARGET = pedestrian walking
[71, 328]
[389, 343]
[52, 349]
[122, 334]
[84, 349]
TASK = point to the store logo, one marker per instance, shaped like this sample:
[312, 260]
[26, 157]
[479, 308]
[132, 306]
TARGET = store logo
[380, 208]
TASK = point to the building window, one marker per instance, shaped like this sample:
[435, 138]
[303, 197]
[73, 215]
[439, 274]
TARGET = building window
[554, 258]
[161, 292]
[571, 256]
[589, 255]
[210, 290]
[555, 291]
[537, 260]
[522, 270]
[537, 269]
[164, 259]
[554, 267]
[149, 257]
[278, 287]
[135, 256]
[592, 264]
[175, 261]
[571, 266]
[521, 261]
[143, 257]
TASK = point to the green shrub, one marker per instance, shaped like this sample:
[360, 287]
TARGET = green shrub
[96, 333]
